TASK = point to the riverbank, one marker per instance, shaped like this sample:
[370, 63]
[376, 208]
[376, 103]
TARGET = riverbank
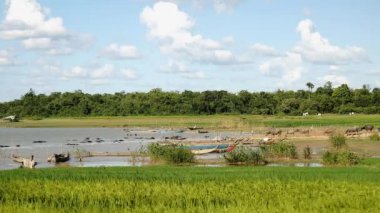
[191, 189]
[213, 122]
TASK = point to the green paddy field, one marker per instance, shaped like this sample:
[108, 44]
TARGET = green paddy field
[192, 189]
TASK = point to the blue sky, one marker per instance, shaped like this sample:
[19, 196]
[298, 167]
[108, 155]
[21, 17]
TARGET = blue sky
[101, 46]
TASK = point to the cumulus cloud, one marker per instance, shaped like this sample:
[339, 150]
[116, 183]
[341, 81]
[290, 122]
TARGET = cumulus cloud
[336, 80]
[183, 70]
[312, 49]
[316, 49]
[121, 51]
[265, 50]
[6, 58]
[225, 5]
[29, 22]
[75, 72]
[172, 28]
[289, 67]
[27, 18]
[102, 72]
[129, 74]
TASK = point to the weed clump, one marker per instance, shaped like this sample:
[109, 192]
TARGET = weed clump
[177, 154]
[338, 141]
[280, 150]
[307, 152]
[345, 158]
[374, 136]
[245, 155]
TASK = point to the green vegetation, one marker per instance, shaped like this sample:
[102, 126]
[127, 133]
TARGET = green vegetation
[246, 156]
[191, 189]
[280, 150]
[338, 141]
[324, 100]
[222, 122]
[307, 152]
[374, 136]
[342, 158]
[171, 153]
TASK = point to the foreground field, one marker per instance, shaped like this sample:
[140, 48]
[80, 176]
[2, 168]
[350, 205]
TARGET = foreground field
[221, 122]
[192, 189]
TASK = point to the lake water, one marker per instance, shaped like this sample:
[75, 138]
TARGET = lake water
[42, 142]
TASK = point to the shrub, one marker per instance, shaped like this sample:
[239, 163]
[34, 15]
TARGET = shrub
[338, 141]
[245, 155]
[307, 152]
[280, 150]
[374, 137]
[345, 158]
[171, 153]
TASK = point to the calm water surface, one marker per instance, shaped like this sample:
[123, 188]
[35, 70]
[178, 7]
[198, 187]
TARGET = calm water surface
[42, 142]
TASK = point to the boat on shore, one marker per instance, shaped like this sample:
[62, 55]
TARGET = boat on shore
[59, 158]
[204, 151]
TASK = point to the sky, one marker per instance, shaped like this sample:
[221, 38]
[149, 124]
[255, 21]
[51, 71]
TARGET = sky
[100, 46]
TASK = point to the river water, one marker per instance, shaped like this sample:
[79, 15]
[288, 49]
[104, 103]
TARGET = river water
[42, 142]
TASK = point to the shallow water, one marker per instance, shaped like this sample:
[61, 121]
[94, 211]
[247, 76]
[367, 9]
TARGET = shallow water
[42, 142]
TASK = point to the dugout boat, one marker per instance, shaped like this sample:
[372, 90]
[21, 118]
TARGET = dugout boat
[59, 158]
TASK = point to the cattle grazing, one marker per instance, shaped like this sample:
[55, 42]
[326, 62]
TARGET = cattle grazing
[305, 114]
[367, 128]
[274, 132]
[319, 114]
[329, 131]
[353, 131]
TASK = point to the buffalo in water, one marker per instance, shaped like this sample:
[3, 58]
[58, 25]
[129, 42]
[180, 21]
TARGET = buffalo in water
[367, 128]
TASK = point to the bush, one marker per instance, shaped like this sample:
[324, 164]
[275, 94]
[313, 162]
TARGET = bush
[307, 152]
[338, 141]
[171, 153]
[345, 158]
[280, 150]
[374, 137]
[245, 155]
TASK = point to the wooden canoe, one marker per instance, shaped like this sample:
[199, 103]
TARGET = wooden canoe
[203, 151]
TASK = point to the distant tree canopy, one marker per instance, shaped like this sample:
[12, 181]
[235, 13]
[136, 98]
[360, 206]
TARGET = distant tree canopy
[325, 99]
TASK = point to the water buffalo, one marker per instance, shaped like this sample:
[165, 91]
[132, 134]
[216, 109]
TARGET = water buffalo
[274, 132]
[353, 131]
[367, 128]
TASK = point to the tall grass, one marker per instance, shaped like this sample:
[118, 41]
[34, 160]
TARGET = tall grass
[187, 189]
[171, 153]
[246, 156]
[342, 158]
[280, 150]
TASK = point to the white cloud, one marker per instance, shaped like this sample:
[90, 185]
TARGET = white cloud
[172, 28]
[264, 50]
[6, 58]
[129, 74]
[336, 80]
[29, 22]
[121, 51]
[225, 5]
[26, 18]
[75, 72]
[37, 43]
[289, 67]
[316, 49]
[103, 72]
[183, 70]
[311, 50]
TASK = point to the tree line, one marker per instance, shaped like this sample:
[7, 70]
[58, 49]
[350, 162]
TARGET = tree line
[324, 99]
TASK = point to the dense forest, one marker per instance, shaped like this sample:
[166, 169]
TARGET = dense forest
[325, 99]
